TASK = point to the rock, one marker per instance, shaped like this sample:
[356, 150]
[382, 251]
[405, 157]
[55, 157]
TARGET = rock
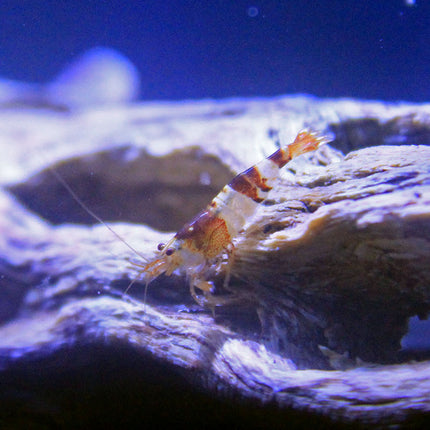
[325, 279]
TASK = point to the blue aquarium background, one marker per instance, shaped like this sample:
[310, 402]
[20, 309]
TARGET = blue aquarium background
[228, 48]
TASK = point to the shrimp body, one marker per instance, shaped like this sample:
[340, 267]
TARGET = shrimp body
[200, 247]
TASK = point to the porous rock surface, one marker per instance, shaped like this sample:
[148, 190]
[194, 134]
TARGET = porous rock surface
[324, 281]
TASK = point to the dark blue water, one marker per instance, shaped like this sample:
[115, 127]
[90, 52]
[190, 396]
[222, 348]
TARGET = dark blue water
[221, 48]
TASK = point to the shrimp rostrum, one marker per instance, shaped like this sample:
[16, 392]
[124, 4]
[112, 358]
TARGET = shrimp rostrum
[202, 246]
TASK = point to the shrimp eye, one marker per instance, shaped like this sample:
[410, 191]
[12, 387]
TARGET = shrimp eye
[170, 251]
[161, 246]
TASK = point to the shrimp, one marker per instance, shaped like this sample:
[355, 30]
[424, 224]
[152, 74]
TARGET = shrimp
[202, 246]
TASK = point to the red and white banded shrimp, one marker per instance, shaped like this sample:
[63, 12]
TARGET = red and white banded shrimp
[203, 245]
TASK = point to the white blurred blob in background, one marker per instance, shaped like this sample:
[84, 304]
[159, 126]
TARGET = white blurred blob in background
[100, 76]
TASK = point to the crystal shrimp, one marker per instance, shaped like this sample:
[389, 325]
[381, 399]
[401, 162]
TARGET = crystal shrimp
[206, 243]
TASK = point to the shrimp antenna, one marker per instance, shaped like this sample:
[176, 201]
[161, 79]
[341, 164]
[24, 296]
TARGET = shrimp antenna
[136, 278]
[90, 212]
[132, 283]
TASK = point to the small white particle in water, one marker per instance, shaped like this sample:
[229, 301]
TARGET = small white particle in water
[252, 11]
[205, 178]
[410, 2]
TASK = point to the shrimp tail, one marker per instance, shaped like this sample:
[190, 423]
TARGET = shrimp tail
[306, 141]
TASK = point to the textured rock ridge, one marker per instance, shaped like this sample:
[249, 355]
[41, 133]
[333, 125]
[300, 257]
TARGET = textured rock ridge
[326, 276]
